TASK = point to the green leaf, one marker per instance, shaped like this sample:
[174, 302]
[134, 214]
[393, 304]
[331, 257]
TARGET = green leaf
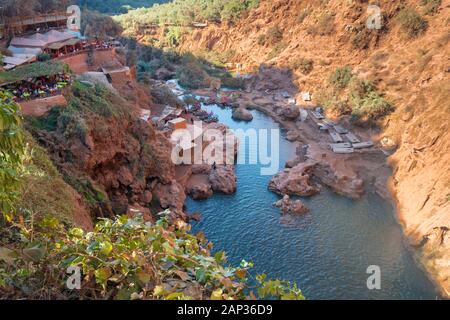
[217, 294]
[105, 247]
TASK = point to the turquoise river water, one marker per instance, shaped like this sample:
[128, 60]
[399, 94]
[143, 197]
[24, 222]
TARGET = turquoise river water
[326, 251]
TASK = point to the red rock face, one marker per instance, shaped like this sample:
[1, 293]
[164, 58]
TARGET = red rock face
[295, 181]
[122, 155]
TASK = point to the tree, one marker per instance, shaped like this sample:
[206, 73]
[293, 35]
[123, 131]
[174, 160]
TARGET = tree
[12, 149]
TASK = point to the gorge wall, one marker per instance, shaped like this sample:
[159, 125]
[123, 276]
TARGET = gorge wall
[412, 73]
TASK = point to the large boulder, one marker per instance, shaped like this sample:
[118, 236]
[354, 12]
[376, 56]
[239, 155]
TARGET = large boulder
[287, 205]
[294, 181]
[242, 114]
[223, 179]
[291, 112]
[199, 191]
[170, 196]
[345, 182]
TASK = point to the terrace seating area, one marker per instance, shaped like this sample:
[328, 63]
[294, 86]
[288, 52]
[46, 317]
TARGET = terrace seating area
[37, 88]
[35, 81]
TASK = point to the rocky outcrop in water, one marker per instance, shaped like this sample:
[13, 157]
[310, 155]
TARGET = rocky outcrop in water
[290, 112]
[289, 206]
[294, 181]
[344, 182]
[199, 190]
[223, 179]
[242, 114]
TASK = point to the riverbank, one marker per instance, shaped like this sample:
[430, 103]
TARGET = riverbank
[326, 251]
[370, 166]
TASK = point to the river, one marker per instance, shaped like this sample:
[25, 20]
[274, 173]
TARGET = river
[326, 251]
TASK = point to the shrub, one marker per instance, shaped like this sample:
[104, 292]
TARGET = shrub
[371, 106]
[276, 50]
[324, 25]
[430, 6]
[367, 103]
[341, 77]
[274, 35]
[362, 39]
[231, 82]
[233, 9]
[127, 259]
[262, 39]
[304, 65]
[411, 22]
[11, 156]
[44, 57]
[191, 75]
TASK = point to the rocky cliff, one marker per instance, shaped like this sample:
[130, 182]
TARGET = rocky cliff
[108, 154]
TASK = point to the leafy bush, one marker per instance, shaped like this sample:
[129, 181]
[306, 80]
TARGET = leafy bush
[191, 75]
[116, 6]
[44, 57]
[371, 107]
[304, 65]
[127, 259]
[184, 13]
[367, 103]
[231, 82]
[172, 36]
[232, 9]
[341, 77]
[411, 22]
[12, 146]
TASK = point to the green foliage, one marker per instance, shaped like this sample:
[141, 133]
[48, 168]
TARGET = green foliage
[232, 9]
[172, 36]
[43, 191]
[12, 150]
[192, 74]
[430, 7]
[304, 65]
[93, 195]
[44, 57]
[116, 6]
[341, 77]
[367, 103]
[411, 22]
[126, 259]
[185, 12]
[33, 70]
[228, 81]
